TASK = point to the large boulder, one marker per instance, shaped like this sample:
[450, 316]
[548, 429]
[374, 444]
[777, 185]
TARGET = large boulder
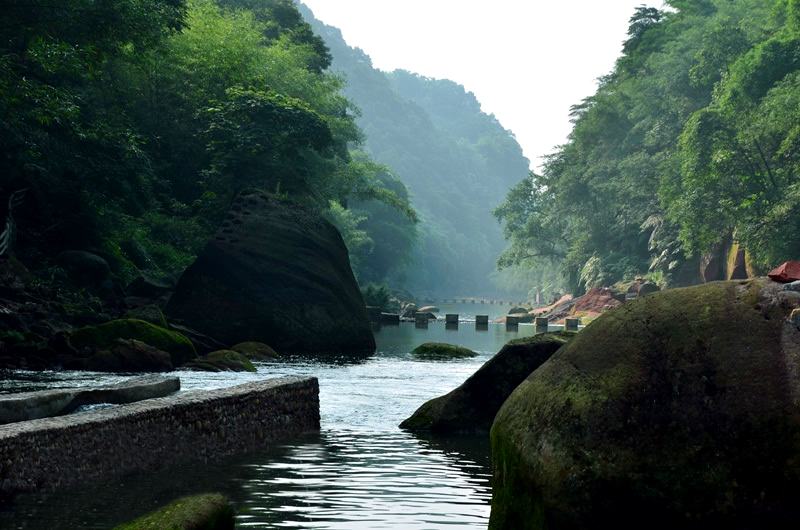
[473, 405]
[677, 410]
[275, 272]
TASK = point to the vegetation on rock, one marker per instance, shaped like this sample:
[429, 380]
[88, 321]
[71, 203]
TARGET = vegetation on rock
[220, 361]
[256, 351]
[441, 351]
[199, 512]
[104, 336]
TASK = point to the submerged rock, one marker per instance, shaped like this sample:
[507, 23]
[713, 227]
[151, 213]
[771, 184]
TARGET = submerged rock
[199, 512]
[441, 351]
[675, 410]
[473, 405]
[278, 273]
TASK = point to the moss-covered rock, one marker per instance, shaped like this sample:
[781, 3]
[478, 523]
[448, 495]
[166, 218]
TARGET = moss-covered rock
[677, 410]
[104, 336]
[441, 351]
[149, 313]
[129, 355]
[473, 405]
[220, 361]
[256, 351]
[199, 512]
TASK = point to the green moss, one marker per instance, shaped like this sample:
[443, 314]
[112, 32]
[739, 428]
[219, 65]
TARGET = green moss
[441, 351]
[256, 351]
[515, 503]
[221, 360]
[103, 336]
[199, 512]
[679, 395]
[149, 313]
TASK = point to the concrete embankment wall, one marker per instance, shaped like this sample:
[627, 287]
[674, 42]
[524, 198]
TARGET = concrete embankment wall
[48, 453]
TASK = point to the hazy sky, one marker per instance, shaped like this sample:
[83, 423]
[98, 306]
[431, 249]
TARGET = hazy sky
[526, 61]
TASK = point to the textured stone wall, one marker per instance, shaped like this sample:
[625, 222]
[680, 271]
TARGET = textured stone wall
[48, 453]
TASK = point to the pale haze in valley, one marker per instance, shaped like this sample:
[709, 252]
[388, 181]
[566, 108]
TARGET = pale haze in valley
[527, 62]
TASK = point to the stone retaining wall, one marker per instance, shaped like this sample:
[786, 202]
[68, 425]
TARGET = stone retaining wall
[48, 453]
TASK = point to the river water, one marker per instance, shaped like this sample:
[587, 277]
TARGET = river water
[359, 472]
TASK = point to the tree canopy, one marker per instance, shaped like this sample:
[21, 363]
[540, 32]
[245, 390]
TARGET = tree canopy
[134, 123]
[691, 140]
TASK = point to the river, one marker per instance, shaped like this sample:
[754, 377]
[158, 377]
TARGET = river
[359, 472]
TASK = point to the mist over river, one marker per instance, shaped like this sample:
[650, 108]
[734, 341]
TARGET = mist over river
[359, 471]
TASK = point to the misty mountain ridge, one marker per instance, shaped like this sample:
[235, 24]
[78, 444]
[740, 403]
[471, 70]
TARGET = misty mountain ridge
[457, 161]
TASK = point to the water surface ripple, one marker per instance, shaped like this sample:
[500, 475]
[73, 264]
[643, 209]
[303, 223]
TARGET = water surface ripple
[360, 471]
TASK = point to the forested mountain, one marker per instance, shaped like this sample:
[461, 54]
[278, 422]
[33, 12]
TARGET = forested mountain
[690, 146]
[133, 123]
[457, 161]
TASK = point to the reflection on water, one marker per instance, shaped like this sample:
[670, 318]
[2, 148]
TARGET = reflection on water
[360, 471]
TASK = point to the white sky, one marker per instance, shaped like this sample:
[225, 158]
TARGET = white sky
[526, 61]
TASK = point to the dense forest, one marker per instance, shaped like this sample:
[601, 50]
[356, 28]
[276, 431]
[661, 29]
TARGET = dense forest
[457, 161]
[689, 148]
[131, 124]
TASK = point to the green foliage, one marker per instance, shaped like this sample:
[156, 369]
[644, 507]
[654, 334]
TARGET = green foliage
[133, 123]
[380, 296]
[692, 138]
[358, 242]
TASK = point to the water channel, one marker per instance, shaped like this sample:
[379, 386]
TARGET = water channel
[359, 472]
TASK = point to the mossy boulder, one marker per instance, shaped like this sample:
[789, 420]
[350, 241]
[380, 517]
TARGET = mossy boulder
[256, 351]
[676, 410]
[129, 355]
[104, 336]
[473, 405]
[149, 313]
[440, 351]
[199, 512]
[220, 361]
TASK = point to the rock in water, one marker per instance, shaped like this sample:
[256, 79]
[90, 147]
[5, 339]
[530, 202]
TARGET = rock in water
[200, 512]
[677, 410]
[278, 273]
[440, 351]
[473, 405]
